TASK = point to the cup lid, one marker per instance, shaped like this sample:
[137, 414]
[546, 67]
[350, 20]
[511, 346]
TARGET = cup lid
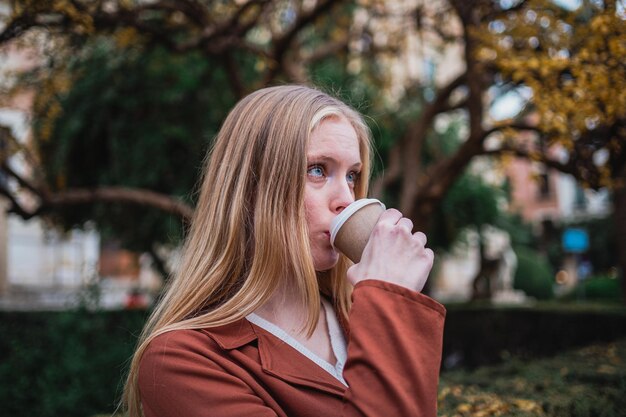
[341, 218]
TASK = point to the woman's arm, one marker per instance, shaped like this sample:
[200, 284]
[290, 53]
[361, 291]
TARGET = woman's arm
[394, 352]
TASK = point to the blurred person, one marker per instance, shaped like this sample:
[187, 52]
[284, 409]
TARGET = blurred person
[263, 317]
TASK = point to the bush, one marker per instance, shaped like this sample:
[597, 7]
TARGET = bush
[68, 363]
[601, 288]
[574, 383]
[533, 275]
[476, 335]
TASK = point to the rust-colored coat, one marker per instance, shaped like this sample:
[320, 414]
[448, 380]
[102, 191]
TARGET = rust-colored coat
[241, 370]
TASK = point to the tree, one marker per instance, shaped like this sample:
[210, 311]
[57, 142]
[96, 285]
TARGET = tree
[571, 60]
[108, 125]
[565, 57]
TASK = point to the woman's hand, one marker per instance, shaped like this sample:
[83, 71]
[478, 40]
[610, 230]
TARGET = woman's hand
[394, 254]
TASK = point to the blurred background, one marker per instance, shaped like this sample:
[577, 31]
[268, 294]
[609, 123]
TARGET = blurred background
[500, 129]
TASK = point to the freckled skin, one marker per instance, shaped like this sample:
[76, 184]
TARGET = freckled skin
[394, 253]
[333, 168]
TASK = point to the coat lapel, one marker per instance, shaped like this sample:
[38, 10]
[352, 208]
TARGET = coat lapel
[278, 359]
[283, 361]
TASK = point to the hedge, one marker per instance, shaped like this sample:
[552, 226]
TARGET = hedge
[66, 364]
[484, 334]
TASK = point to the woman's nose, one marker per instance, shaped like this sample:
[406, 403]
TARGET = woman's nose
[343, 196]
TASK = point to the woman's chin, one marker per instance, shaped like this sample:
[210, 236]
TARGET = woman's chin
[326, 262]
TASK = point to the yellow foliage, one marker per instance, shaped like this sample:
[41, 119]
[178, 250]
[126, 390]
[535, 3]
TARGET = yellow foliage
[477, 403]
[601, 24]
[577, 76]
[83, 21]
[527, 405]
[125, 37]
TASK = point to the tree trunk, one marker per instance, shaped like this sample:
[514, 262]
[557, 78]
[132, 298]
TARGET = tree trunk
[619, 208]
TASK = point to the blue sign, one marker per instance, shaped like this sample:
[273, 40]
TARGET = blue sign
[575, 240]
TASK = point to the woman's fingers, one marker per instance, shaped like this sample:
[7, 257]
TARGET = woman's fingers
[406, 224]
[421, 237]
[390, 217]
[395, 254]
[394, 217]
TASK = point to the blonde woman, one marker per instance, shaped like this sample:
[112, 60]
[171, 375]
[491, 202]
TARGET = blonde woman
[264, 318]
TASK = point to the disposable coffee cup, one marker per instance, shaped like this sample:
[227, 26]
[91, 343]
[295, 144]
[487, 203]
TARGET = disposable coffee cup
[351, 229]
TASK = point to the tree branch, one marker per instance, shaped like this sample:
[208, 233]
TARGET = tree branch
[192, 10]
[51, 202]
[136, 196]
[281, 44]
[391, 173]
[325, 50]
[212, 40]
[509, 125]
[437, 178]
[15, 207]
[415, 132]
[451, 107]
[496, 13]
[531, 156]
[16, 27]
[21, 180]
[234, 77]
[232, 26]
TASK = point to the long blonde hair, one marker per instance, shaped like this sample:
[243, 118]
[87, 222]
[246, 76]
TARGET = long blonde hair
[249, 234]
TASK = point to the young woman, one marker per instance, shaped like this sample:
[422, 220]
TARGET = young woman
[264, 318]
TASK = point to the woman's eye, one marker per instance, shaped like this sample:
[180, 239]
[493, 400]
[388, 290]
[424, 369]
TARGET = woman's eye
[316, 171]
[353, 177]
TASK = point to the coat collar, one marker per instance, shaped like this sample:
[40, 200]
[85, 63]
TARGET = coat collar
[233, 335]
[277, 357]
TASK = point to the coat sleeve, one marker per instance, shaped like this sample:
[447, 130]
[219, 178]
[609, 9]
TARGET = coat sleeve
[176, 379]
[394, 352]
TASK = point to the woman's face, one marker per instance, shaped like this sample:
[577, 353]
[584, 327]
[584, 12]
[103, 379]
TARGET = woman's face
[333, 169]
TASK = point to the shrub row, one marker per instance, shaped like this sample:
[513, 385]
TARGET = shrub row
[72, 363]
[482, 335]
[64, 363]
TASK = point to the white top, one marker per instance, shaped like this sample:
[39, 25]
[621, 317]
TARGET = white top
[337, 341]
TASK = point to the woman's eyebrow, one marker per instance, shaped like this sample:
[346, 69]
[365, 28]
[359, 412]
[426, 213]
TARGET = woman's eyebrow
[320, 158]
[325, 158]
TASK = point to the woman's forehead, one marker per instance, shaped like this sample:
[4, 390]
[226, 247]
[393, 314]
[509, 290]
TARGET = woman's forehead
[333, 138]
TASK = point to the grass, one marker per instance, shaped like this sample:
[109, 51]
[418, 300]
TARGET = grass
[580, 383]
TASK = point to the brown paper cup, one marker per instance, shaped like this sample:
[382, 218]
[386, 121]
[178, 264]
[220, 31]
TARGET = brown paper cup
[351, 229]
